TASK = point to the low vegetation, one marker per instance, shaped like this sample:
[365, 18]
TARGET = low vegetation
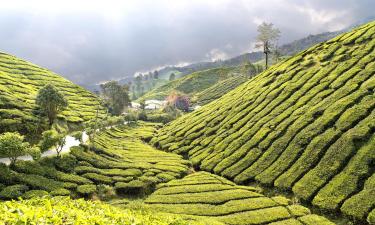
[63, 210]
[197, 82]
[120, 160]
[205, 195]
[305, 125]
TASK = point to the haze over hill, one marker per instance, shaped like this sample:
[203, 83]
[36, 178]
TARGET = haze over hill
[100, 41]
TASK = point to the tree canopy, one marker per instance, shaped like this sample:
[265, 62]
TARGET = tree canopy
[116, 96]
[267, 35]
[12, 145]
[51, 101]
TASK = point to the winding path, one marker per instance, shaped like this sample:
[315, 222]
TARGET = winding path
[70, 142]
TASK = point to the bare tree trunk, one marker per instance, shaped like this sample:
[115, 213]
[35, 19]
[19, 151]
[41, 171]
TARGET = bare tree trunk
[266, 60]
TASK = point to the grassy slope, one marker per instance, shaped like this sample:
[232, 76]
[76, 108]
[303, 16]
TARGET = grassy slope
[193, 83]
[19, 84]
[205, 195]
[121, 160]
[306, 124]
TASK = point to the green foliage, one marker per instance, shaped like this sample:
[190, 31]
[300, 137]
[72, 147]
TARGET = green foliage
[142, 115]
[51, 101]
[52, 138]
[12, 145]
[116, 96]
[34, 194]
[205, 195]
[304, 125]
[86, 189]
[62, 210]
[13, 192]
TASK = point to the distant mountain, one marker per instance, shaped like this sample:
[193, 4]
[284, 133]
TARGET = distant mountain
[288, 49]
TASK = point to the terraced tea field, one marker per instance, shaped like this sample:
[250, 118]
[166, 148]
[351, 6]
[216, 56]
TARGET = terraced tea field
[202, 86]
[19, 84]
[120, 160]
[306, 125]
[202, 195]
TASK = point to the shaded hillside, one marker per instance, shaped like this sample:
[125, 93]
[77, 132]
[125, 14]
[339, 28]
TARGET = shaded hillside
[306, 125]
[19, 84]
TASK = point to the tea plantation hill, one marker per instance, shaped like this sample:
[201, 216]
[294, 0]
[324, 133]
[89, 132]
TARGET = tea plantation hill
[201, 195]
[120, 161]
[305, 125]
[202, 86]
[19, 84]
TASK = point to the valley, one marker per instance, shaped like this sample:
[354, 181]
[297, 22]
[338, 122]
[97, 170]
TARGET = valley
[286, 143]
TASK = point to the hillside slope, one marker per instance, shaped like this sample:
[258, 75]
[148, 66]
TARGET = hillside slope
[306, 124]
[19, 84]
[204, 86]
[201, 195]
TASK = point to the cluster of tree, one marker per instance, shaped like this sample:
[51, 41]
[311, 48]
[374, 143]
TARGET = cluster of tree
[13, 145]
[115, 96]
[249, 69]
[143, 83]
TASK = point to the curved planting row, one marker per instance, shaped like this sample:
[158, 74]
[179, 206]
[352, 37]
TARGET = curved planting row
[219, 89]
[205, 195]
[121, 162]
[19, 84]
[194, 83]
[306, 125]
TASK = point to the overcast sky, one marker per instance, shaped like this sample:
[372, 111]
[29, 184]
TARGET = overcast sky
[90, 41]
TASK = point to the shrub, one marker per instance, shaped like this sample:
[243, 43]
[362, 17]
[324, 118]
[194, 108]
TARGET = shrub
[60, 192]
[142, 115]
[179, 101]
[13, 192]
[6, 175]
[97, 178]
[34, 193]
[106, 192]
[86, 189]
[133, 187]
[39, 182]
[12, 145]
[66, 163]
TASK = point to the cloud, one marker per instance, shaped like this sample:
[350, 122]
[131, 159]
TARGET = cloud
[89, 42]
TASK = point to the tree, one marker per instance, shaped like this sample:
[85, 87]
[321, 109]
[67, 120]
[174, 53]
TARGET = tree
[138, 84]
[51, 138]
[179, 101]
[51, 102]
[12, 145]
[116, 96]
[267, 35]
[172, 77]
[156, 75]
